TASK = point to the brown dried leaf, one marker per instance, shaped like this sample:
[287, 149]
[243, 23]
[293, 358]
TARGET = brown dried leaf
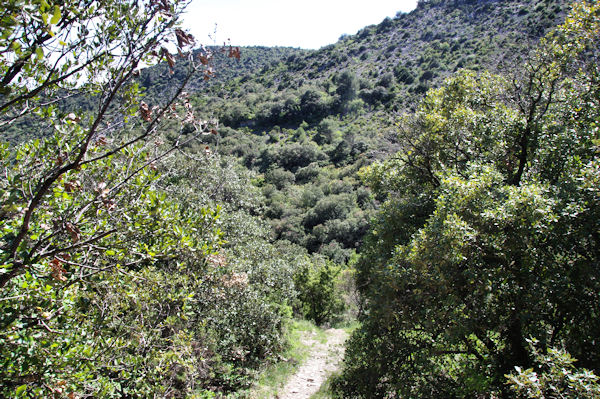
[101, 141]
[73, 231]
[204, 60]
[209, 73]
[234, 52]
[109, 204]
[145, 112]
[170, 59]
[58, 270]
[183, 38]
[72, 186]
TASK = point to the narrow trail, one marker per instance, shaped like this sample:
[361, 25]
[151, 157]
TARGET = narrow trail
[323, 360]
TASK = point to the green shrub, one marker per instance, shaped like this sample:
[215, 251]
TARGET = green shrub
[308, 173]
[556, 377]
[320, 299]
[279, 177]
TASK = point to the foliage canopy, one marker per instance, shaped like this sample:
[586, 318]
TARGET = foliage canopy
[489, 231]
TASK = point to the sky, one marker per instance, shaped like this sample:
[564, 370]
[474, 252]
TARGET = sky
[307, 24]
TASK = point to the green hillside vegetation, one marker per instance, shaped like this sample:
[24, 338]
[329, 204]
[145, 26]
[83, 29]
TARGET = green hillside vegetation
[161, 78]
[435, 176]
[308, 123]
[395, 62]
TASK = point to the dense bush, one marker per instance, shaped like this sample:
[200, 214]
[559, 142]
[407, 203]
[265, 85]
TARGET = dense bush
[318, 292]
[329, 208]
[191, 306]
[489, 208]
[292, 156]
[556, 377]
[279, 177]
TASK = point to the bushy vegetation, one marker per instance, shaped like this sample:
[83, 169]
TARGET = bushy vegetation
[322, 115]
[161, 79]
[488, 232]
[557, 377]
[133, 259]
[318, 291]
[156, 242]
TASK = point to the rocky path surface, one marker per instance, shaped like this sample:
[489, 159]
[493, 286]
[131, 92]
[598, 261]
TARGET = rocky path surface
[323, 360]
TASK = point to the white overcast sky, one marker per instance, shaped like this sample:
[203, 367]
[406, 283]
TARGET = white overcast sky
[305, 23]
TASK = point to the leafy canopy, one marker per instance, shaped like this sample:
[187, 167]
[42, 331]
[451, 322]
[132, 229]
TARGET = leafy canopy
[489, 230]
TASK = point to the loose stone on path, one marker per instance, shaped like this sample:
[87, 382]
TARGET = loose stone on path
[323, 360]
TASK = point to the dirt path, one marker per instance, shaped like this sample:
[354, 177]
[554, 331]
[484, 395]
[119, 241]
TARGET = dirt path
[322, 361]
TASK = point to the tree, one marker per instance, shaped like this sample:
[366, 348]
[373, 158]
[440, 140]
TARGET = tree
[43, 56]
[488, 235]
[89, 242]
[347, 88]
[318, 292]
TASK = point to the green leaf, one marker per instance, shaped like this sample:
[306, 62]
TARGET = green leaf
[21, 389]
[16, 46]
[56, 16]
[7, 32]
[39, 53]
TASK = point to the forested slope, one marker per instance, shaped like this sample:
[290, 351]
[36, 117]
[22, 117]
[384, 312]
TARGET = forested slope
[160, 79]
[306, 124]
[156, 239]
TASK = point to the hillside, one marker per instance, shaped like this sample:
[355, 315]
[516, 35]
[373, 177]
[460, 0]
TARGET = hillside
[159, 79]
[310, 121]
[397, 60]
[432, 181]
